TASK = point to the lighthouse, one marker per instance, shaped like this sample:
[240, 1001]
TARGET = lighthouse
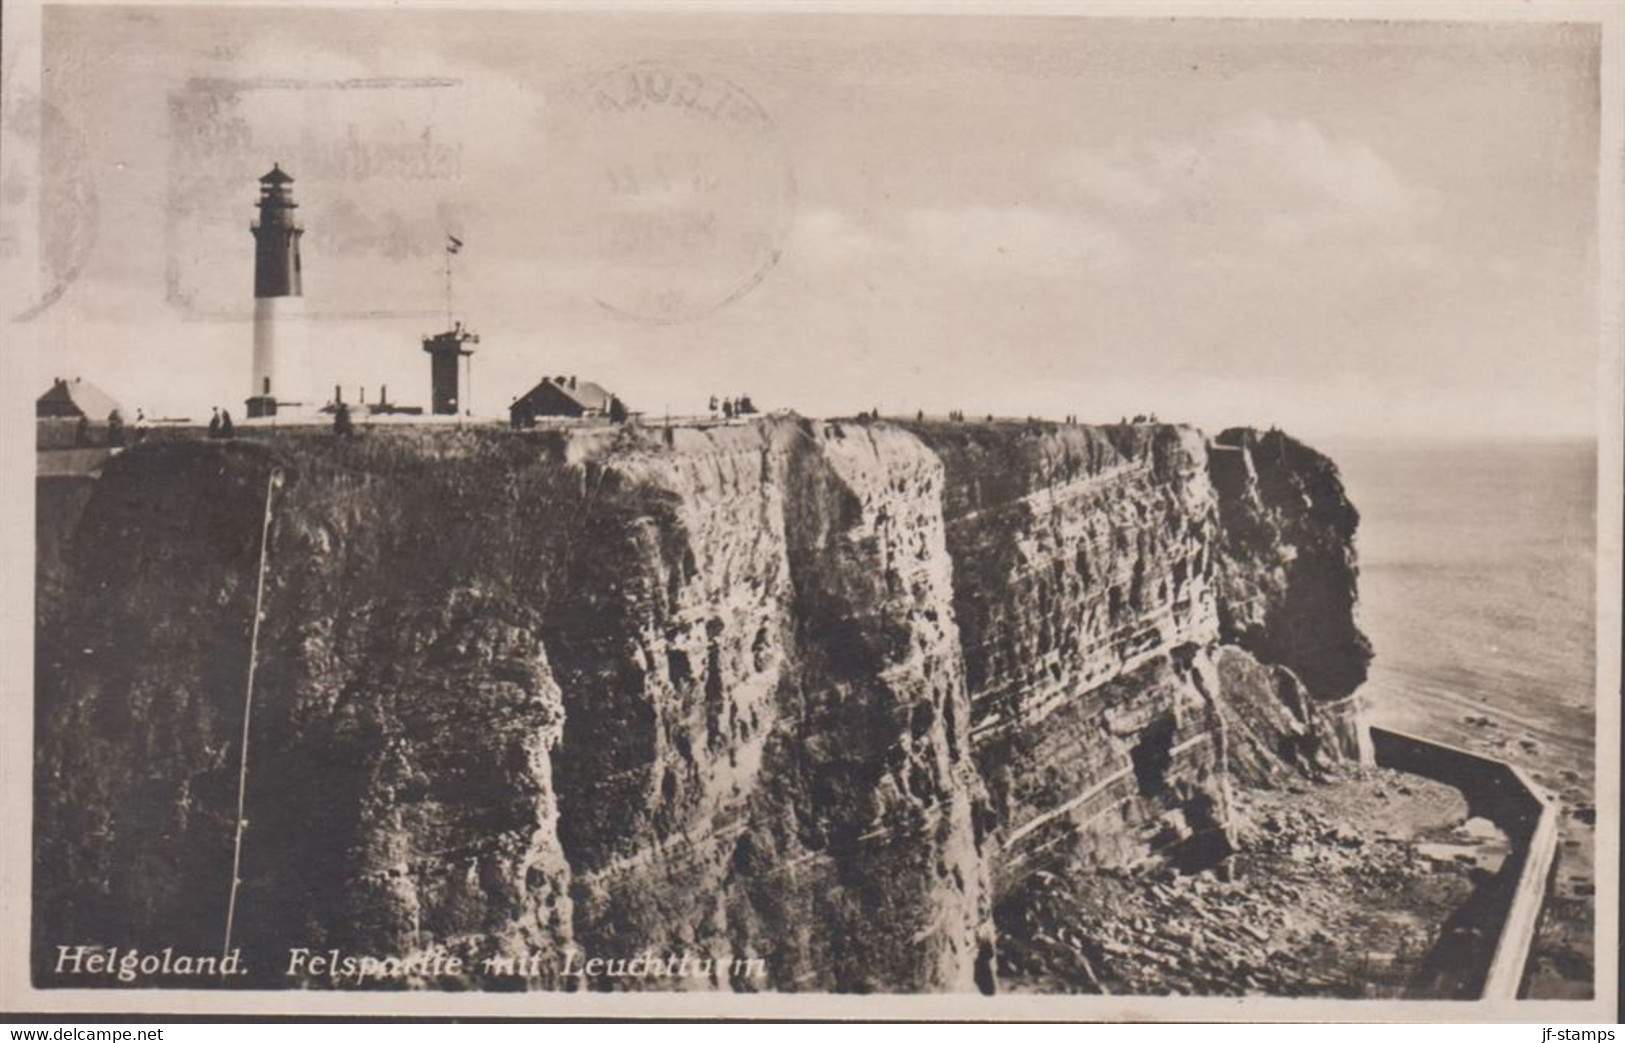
[278, 299]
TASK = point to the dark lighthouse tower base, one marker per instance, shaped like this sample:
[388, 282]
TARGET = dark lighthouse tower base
[446, 352]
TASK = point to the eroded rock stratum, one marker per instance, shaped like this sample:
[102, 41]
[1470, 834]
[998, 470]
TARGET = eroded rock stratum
[812, 693]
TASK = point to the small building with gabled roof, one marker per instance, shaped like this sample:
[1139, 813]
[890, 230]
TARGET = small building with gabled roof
[72, 399]
[560, 397]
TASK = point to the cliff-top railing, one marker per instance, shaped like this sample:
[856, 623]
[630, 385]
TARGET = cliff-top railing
[1506, 796]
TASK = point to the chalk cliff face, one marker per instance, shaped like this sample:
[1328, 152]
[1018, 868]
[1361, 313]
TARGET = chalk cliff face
[1287, 576]
[809, 693]
[1082, 558]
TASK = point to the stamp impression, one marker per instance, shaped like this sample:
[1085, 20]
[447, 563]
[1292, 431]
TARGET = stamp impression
[679, 191]
[69, 208]
[378, 193]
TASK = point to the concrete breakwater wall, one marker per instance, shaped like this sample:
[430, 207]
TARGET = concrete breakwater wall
[1504, 795]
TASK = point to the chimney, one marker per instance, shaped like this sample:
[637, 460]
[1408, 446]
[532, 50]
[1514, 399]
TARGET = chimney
[338, 394]
[383, 394]
[572, 382]
[362, 398]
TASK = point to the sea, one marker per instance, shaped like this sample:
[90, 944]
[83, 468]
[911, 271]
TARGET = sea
[1478, 592]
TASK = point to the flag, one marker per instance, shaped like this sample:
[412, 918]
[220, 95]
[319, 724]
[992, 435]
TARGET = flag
[453, 244]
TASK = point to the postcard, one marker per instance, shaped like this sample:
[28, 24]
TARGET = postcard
[953, 511]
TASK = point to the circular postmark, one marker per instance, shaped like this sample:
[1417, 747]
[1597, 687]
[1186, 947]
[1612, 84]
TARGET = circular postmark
[68, 207]
[677, 193]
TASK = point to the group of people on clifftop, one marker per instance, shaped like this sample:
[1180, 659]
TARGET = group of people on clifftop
[114, 434]
[728, 408]
[220, 425]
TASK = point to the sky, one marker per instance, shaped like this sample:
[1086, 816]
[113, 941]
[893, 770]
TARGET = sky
[1348, 229]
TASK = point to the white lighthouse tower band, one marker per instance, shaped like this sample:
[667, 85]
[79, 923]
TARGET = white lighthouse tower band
[279, 319]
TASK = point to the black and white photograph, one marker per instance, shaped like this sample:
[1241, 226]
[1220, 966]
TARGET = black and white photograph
[931, 512]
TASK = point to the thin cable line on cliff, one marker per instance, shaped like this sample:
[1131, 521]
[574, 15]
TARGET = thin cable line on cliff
[272, 481]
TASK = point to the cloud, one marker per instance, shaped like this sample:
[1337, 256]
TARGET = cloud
[1344, 174]
[1118, 176]
[973, 241]
[1285, 179]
